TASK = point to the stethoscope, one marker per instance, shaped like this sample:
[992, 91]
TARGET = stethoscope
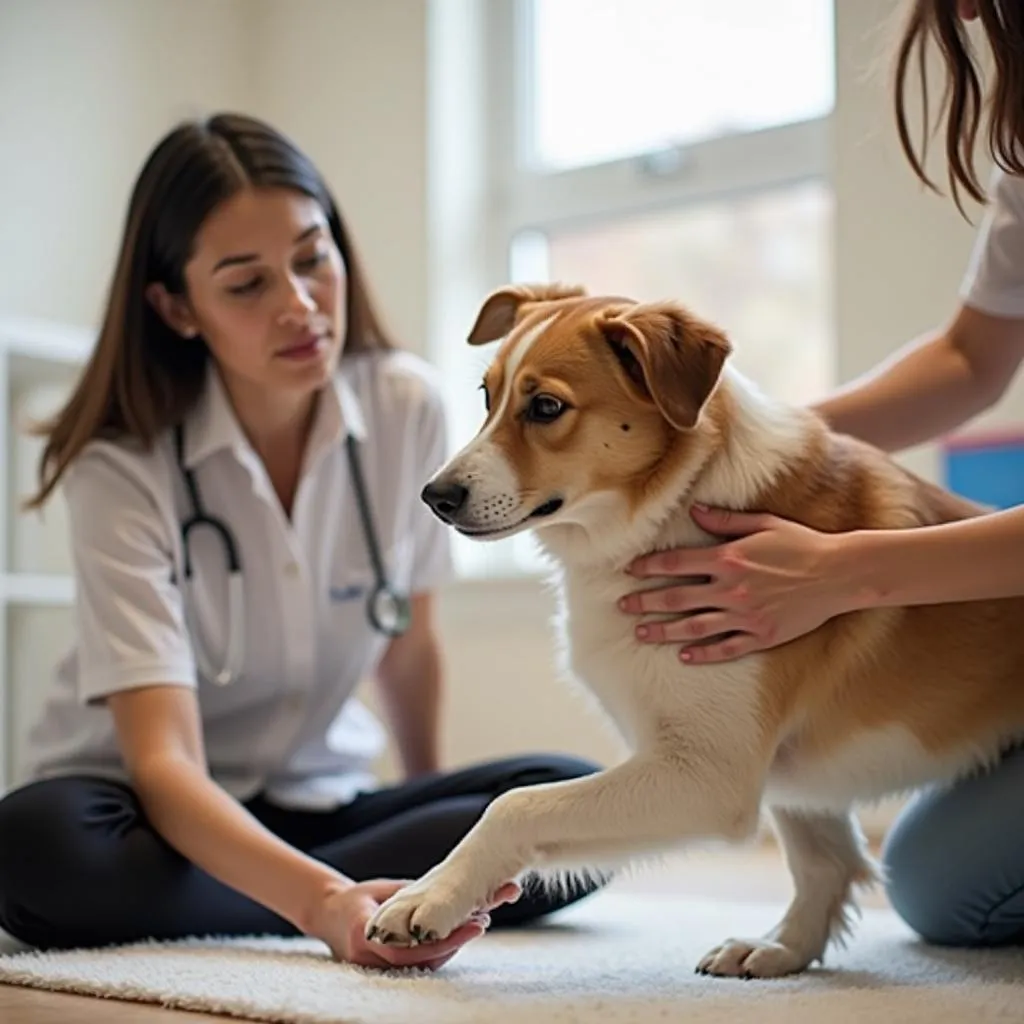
[388, 610]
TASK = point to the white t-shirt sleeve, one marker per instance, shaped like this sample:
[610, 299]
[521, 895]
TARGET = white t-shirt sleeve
[432, 547]
[129, 612]
[994, 280]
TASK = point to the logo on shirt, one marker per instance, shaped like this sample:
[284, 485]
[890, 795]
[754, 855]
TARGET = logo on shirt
[346, 593]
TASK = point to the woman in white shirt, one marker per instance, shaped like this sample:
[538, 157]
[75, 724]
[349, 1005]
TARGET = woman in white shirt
[955, 857]
[200, 765]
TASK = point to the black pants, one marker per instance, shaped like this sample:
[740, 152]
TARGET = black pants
[81, 866]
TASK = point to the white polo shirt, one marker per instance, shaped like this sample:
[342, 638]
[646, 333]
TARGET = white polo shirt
[288, 726]
[994, 281]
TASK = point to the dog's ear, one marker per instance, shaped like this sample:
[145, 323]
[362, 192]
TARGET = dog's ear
[670, 356]
[503, 308]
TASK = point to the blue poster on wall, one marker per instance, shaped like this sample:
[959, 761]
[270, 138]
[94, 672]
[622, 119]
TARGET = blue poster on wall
[988, 468]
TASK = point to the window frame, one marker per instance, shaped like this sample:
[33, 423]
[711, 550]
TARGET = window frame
[722, 167]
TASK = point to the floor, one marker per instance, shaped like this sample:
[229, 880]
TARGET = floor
[755, 873]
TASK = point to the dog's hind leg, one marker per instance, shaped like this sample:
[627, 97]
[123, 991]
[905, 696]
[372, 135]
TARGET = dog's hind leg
[827, 859]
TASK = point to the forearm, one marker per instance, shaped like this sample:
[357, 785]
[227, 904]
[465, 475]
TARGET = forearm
[210, 828]
[411, 689]
[928, 389]
[974, 559]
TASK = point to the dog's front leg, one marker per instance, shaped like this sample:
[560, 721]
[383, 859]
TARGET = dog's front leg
[647, 803]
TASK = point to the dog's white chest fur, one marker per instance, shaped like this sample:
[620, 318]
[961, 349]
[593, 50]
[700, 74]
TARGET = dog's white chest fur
[646, 690]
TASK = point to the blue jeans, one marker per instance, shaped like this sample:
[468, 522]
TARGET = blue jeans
[955, 859]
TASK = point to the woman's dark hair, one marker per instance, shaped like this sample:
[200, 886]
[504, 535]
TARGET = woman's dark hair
[963, 101]
[142, 376]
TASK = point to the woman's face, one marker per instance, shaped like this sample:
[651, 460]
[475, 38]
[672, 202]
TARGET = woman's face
[266, 289]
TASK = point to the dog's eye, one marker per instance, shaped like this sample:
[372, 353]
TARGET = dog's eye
[544, 408]
[487, 397]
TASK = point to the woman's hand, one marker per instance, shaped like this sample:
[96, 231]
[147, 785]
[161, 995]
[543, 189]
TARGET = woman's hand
[341, 924]
[770, 585]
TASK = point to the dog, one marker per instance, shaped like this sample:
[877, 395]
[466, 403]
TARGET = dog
[607, 419]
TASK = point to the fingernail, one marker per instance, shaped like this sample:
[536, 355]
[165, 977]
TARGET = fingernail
[642, 632]
[685, 656]
[700, 506]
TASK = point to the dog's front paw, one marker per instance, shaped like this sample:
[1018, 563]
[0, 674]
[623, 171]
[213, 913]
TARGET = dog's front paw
[753, 958]
[424, 911]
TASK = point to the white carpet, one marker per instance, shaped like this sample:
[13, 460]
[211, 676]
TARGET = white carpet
[617, 958]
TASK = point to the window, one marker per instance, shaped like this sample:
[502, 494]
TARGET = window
[662, 149]
[607, 79]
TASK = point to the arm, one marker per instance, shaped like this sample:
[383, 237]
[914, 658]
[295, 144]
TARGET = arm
[135, 658]
[160, 736]
[409, 680]
[161, 741]
[933, 385]
[937, 383]
[969, 560]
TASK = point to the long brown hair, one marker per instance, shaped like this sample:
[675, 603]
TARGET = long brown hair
[963, 101]
[142, 376]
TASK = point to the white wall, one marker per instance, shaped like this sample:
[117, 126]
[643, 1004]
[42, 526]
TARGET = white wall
[347, 78]
[86, 86]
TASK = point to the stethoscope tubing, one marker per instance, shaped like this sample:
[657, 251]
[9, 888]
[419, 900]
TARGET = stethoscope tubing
[392, 625]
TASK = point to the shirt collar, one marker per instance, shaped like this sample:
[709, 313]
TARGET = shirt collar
[213, 426]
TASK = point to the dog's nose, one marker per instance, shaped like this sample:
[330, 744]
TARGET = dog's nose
[445, 498]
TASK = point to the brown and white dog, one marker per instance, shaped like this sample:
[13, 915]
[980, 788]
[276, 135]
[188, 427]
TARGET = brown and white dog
[607, 420]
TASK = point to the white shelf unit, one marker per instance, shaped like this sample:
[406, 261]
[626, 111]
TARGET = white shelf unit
[39, 364]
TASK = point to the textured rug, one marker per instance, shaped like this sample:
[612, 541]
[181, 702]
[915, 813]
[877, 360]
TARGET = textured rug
[617, 958]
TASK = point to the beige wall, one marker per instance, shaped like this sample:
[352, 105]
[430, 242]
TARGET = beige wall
[87, 85]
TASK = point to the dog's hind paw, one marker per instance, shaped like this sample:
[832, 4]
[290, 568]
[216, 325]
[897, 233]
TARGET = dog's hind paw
[753, 958]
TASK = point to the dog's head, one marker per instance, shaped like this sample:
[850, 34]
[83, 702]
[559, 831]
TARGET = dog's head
[585, 397]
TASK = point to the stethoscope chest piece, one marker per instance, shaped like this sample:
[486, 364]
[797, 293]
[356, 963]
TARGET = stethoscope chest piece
[389, 612]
